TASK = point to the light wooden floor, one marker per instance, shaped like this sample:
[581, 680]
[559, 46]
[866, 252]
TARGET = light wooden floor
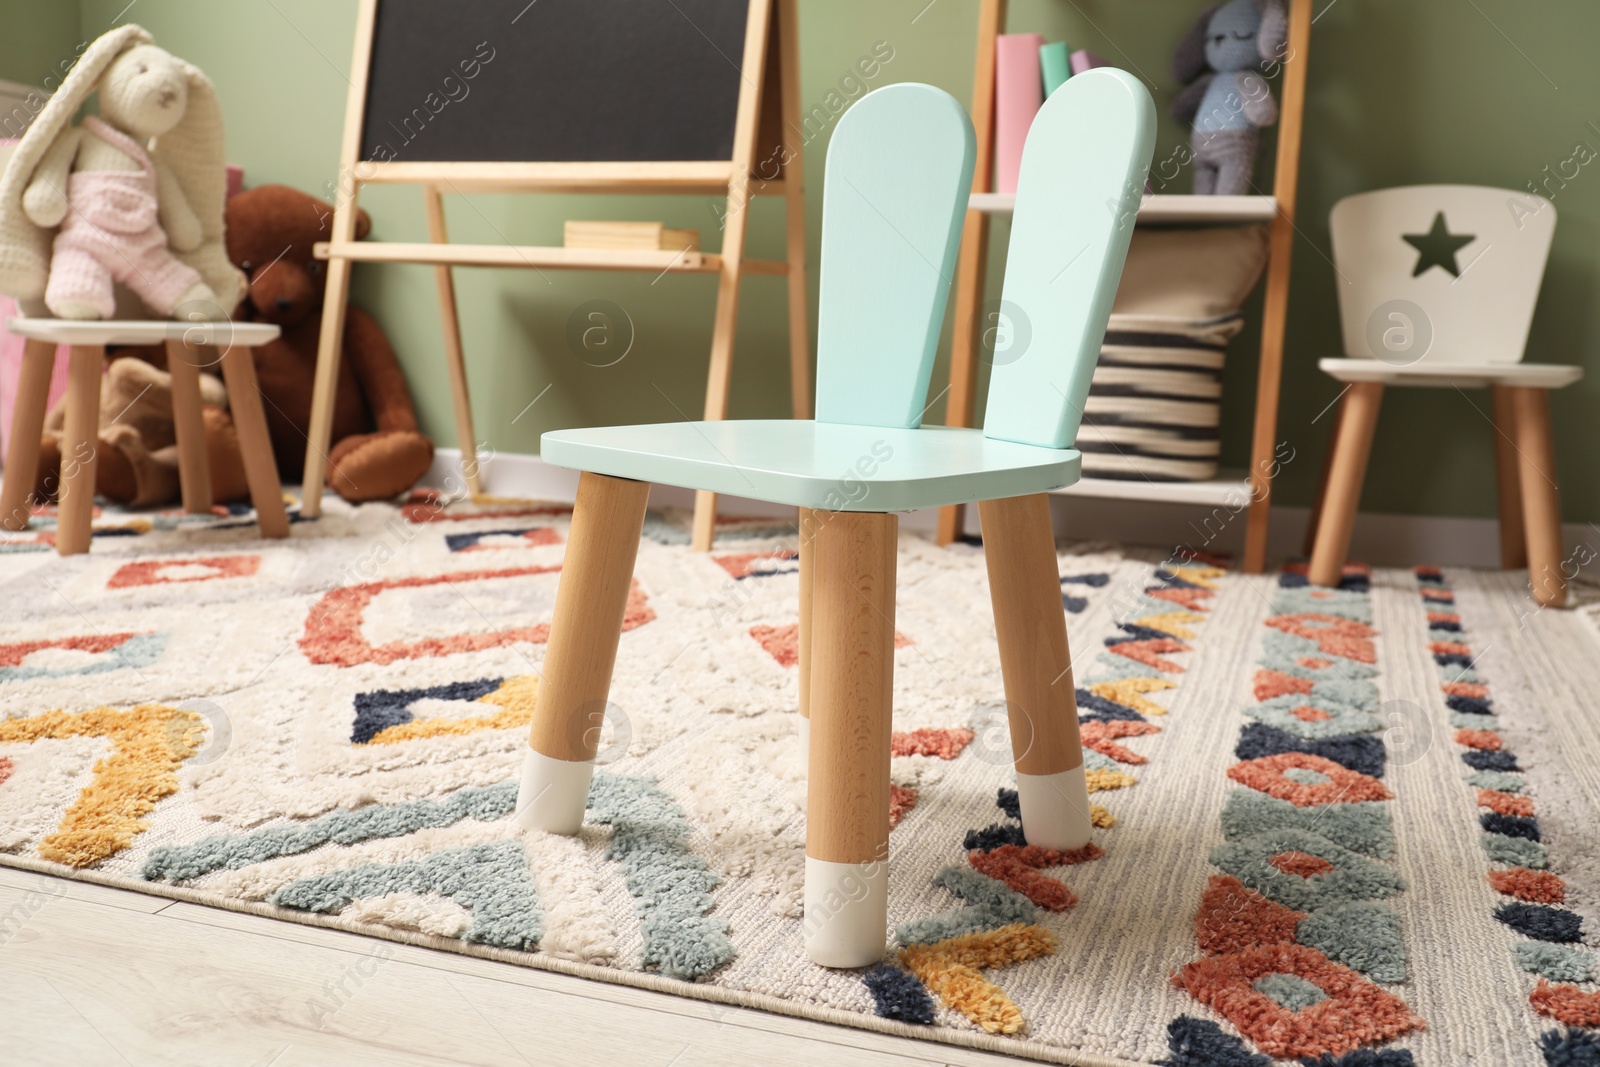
[91, 975]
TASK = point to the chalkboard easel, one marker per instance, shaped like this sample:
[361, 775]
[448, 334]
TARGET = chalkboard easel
[614, 96]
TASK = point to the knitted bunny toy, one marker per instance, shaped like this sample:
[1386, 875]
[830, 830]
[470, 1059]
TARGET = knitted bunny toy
[110, 195]
[1227, 100]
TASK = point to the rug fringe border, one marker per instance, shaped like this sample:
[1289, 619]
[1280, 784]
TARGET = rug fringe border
[611, 976]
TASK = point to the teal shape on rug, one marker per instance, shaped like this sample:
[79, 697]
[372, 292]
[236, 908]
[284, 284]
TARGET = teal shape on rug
[1516, 851]
[1311, 600]
[1362, 827]
[1289, 991]
[1342, 718]
[490, 881]
[1283, 652]
[1110, 668]
[1364, 936]
[991, 904]
[1350, 692]
[670, 882]
[1559, 963]
[178, 863]
[140, 650]
[1455, 672]
[1462, 720]
[1354, 877]
[1306, 776]
[1499, 781]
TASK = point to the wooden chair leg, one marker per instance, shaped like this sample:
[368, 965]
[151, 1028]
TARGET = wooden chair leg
[455, 361]
[1310, 543]
[591, 599]
[1351, 449]
[1541, 500]
[1508, 482]
[807, 526]
[255, 446]
[1025, 586]
[851, 694]
[79, 440]
[189, 425]
[27, 424]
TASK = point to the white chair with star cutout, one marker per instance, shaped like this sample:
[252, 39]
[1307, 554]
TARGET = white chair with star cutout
[1437, 287]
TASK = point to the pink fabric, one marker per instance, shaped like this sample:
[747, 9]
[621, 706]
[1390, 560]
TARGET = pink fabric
[112, 234]
[11, 347]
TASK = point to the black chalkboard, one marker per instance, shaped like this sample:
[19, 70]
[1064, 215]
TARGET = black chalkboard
[553, 80]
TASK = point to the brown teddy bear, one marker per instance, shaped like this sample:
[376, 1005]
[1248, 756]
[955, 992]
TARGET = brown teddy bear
[376, 451]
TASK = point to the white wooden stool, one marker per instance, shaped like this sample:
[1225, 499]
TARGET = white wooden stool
[1437, 286]
[190, 346]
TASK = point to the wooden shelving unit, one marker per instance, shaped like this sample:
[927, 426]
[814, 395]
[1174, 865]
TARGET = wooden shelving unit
[1278, 209]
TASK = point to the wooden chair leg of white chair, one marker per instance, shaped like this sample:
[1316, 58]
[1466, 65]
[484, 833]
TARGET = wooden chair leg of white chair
[1351, 449]
[1508, 482]
[1025, 586]
[188, 423]
[1309, 545]
[1541, 500]
[851, 694]
[79, 441]
[591, 601]
[255, 446]
[27, 424]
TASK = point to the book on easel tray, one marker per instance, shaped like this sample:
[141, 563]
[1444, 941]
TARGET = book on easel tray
[652, 236]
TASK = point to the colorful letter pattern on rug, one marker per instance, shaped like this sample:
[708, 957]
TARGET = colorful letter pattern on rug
[1005, 891]
[1295, 932]
[1519, 862]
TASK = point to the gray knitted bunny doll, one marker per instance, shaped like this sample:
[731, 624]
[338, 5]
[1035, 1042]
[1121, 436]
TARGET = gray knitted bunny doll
[1227, 99]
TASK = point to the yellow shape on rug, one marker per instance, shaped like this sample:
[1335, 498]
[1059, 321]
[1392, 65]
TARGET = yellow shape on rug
[515, 698]
[951, 970]
[149, 743]
[1129, 693]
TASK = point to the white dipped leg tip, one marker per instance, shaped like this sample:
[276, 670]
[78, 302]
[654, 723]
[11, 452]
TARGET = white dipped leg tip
[847, 912]
[553, 793]
[1055, 809]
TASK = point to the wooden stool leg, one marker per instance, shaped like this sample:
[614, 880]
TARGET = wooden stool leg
[1310, 543]
[27, 424]
[807, 525]
[1508, 483]
[1025, 585]
[1351, 448]
[79, 440]
[591, 600]
[255, 447]
[189, 424]
[1541, 501]
[852, 687]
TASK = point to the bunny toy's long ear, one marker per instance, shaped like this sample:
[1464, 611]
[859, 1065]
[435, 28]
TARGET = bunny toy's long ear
[1189, 61]
[25, 247]
[194, 150]
[1272, 39]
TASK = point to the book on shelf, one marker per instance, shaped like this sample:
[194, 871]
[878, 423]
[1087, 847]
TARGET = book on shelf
[1055, 64]
[1018, 92]
[1083, 60]
[652, 236]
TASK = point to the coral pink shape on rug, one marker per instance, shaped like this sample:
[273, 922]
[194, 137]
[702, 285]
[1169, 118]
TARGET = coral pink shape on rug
[945, 743]
[1505, 803]
[1018, 866]
[1484, 740]
[184, 569]
[1233, 918]
[1333, 635]
[1567, 1004]
[333, 627]
[1148, 653]
[744, 564]
[12, 655]
[1300, 864]
[901, 800]
[1266, 775]
[1101, 736]
[783, 642]
[1270, 683]
[1537, 887]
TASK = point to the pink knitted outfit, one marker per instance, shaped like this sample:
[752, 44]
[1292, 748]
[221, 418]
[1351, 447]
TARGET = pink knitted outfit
[112, 233]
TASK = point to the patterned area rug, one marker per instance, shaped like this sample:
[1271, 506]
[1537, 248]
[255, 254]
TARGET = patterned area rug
[1351, 827]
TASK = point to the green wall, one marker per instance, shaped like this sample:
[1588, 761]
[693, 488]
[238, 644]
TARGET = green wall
[1425, 91]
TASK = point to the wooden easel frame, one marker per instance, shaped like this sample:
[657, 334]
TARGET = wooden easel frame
[972, 268]
[770, 76]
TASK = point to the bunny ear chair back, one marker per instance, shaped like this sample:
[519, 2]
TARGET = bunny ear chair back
[195, 152]
[25, 247]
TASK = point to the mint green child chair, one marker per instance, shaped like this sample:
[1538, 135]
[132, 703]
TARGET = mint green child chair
[898, 171]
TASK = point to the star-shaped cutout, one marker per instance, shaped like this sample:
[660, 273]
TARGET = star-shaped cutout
[1438, 247]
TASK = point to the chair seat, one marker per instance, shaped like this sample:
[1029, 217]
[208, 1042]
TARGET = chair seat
[831, 466]
[142, 331]
[1466, 375]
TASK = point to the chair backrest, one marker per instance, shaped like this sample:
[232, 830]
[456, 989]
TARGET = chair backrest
[894, 193]
[1446, 273]
[1083, 173]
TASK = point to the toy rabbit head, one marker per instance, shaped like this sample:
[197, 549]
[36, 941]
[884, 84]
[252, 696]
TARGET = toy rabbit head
[145, 91]
[156, 98]
[1238, 35]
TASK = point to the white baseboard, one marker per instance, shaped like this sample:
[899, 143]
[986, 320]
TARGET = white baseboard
[1380, 539]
